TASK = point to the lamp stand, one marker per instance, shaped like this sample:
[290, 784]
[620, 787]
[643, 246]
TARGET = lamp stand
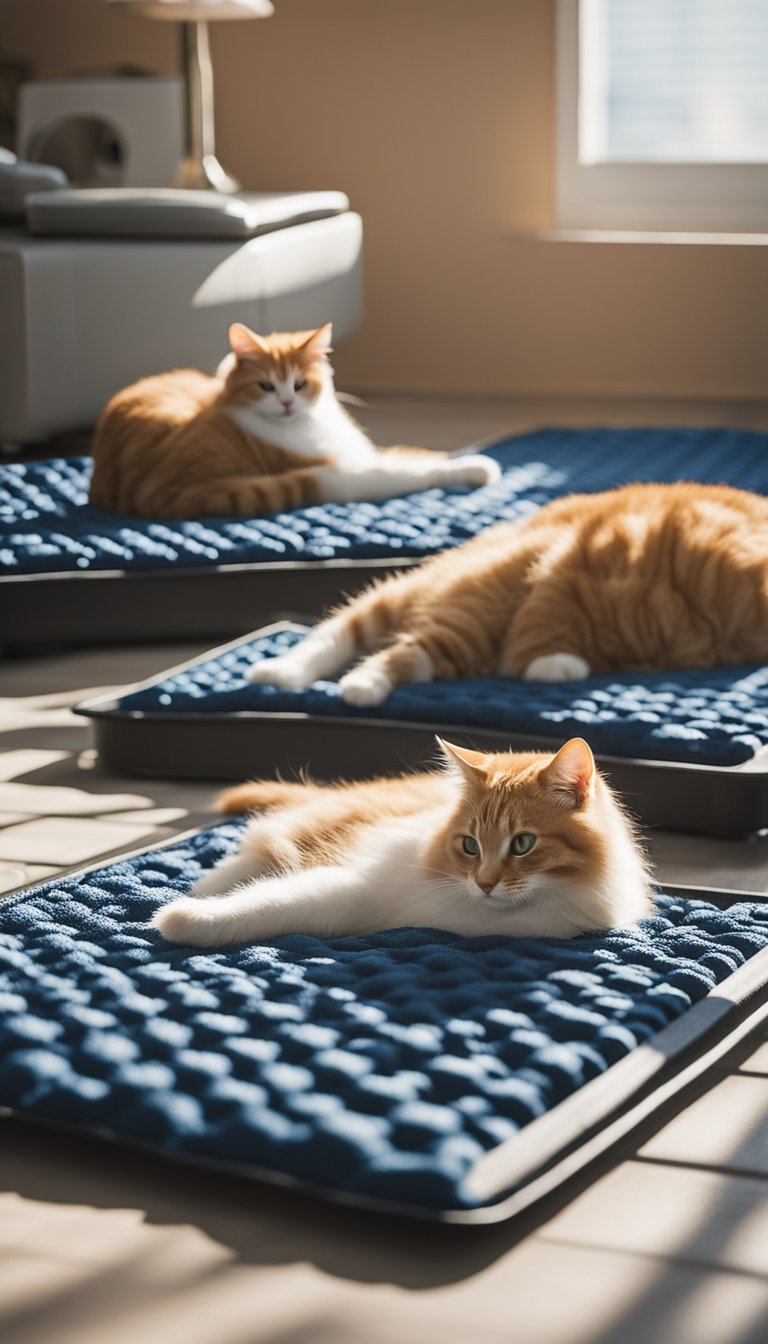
[200, 169]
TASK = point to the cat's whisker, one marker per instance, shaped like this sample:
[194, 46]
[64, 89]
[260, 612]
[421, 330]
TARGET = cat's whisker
[425, 868]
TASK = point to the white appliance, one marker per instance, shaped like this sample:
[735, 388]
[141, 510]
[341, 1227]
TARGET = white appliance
[105, 131]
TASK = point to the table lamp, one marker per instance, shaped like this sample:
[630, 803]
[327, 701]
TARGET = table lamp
[200, 168]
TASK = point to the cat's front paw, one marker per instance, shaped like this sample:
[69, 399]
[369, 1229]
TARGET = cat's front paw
[472, 470]
[286, 673]
[184, 921]
[365, 686]
[557, 667]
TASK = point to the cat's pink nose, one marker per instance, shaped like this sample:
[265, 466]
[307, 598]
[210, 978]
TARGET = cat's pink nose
[287, 404]
[487, 887]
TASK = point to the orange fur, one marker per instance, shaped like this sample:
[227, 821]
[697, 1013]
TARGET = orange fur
[167, 446]
[259, 795]
[502, 794]
[510, 793]
[253, 439]
[642, 577]
[325, 817]
[528, 844]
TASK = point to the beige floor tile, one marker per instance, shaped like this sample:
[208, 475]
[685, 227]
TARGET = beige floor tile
[154, 816]
[726, 1128]
[27, 713]
[68, 840]
[14, 764]
[14, 875]
[38, 872]
[453, 422]
[699, 1217]
[47, 800]
[154, 1283]
[603, 1298]
[64, 678]
[756, 1063]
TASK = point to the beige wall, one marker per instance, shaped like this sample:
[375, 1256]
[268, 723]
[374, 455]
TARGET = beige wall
[436, 117]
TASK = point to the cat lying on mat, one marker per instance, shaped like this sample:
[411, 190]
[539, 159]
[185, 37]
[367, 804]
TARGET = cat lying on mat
[522, 843]
[267, 433]
[642, 577]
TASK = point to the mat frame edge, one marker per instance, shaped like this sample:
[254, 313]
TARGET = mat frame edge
[127, 606]
[668, 794]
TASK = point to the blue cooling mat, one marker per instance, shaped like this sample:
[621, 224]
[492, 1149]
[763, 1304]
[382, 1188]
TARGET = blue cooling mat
[383, 1066]
[715, 717]
[46, 523]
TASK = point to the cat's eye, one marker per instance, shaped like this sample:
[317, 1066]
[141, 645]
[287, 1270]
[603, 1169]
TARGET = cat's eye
[267, 387]
[470, 845]
[522, 844]
[300, 384]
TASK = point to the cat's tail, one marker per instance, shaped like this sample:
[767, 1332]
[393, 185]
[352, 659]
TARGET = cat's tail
[257, 795]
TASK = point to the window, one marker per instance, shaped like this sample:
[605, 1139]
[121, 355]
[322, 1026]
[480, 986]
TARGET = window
[663, 114]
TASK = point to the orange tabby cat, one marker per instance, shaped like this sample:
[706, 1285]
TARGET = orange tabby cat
[643, 577]
[522, 843]
[266, 433]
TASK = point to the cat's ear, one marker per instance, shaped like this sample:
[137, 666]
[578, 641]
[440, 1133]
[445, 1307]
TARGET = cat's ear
[469, 763]
[245, 343]
[572, 770]
[318, 345]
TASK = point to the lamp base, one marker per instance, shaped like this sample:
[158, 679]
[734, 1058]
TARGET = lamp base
[204, 174]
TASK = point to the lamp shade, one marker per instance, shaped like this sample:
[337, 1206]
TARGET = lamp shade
[195, 11]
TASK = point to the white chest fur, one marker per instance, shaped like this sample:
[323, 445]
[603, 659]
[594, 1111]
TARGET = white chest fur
[323, 431]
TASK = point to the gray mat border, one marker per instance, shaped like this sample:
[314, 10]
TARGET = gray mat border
[564, 1142]
[700, 799]
[115, 606]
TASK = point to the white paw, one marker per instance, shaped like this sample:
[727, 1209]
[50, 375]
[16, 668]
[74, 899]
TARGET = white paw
[365, 686]
[473, 470]
[557, 667]
[183, 921]
[287, 673]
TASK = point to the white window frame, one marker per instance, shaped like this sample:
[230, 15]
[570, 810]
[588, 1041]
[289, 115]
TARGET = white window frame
[724, 197]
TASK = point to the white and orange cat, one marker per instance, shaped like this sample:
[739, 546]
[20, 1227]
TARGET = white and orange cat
[527, 844]
[639, 578]
[266, 433]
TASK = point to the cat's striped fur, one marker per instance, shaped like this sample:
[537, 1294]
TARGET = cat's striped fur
[441, 849]
[640, 578]
[265, 434]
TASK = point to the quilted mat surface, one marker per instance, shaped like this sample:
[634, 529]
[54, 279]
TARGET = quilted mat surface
[46, 523]
[384, 1066]
[714, 717]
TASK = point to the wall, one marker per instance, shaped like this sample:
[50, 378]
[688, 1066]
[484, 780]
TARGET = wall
[436, 116]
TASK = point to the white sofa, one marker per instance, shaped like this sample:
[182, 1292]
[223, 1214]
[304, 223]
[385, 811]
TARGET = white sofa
[87, 305]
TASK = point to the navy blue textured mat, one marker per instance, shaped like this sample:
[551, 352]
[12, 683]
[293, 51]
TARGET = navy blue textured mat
[713, 717]
[383, 1067]
[47, 525]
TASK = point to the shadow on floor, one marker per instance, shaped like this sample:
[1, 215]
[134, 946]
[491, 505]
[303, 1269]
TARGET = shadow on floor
[271, 1225]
